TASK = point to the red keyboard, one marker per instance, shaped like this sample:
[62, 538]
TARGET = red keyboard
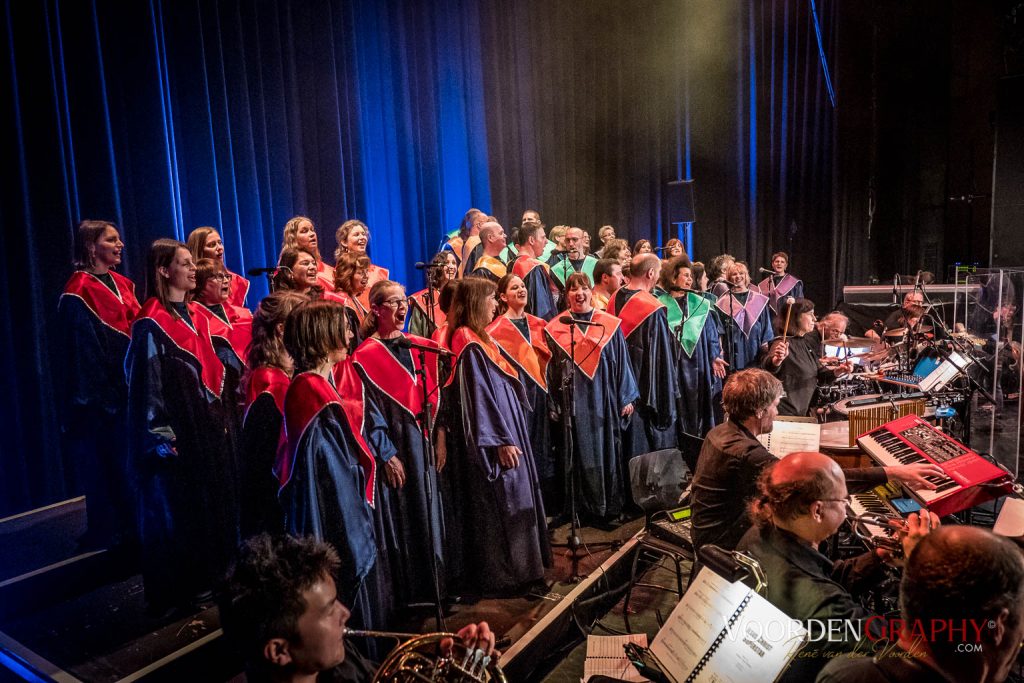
[968, 480]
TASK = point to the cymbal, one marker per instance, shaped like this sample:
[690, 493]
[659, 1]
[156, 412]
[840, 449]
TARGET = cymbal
[902, 331]
[873, 356]
[968, 337]
[852, 342]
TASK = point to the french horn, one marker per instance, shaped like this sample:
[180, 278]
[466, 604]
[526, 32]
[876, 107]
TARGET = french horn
[419, 658]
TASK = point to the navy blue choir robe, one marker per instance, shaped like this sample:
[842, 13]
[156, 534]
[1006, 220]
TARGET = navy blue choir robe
[536, 276]
[329, 490]
[262, 439]
[180, 454]
[602, 384]
[95, 323]
[747, 317]
[471, 252]
[562, 267]
[522, 343]
[499, 512]
[652, 353]
[230, 346]
[490, 267]
[695, 332]
[415, 519]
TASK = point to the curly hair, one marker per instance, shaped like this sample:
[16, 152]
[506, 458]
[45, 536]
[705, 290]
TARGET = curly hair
[206, 268]
[346, 268]
[341, 235]
[670, 271]
[263, 591]
[267, 346]
[290, 236]
[313, 331]
[437, 274]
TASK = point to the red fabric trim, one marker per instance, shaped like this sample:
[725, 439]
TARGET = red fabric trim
[197, 343]
[464, 336]
[116, 311]
[638, 309]
[239, 290]
[325, 276]
[419, 300]
[237, 333]
[589, 344]
[350, 389]
[531, 356]
[386, 373]
[524, 265]
[267, 380]
[374, 274]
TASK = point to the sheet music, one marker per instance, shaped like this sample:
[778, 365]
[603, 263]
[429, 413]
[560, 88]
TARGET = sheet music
[755, 648]
[606, 657]
[789, 437]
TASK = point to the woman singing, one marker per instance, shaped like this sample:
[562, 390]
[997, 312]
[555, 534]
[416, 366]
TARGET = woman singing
[179, 447]
[426, 316]
[265, 384]
[351, 275]
[300, 233]
[393, 380]
[504, 534]
[780, 284]
[353, 237]
[205, 242]
[297, 271]
[96, 309]
[520, 336]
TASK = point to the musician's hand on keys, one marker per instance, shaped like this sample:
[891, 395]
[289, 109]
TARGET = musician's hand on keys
[779, 351]
[508, 456]
[913, 476]
[919, 525]
[395, 472]
[474, 636]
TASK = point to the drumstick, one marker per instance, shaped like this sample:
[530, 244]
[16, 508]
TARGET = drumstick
[789, 301]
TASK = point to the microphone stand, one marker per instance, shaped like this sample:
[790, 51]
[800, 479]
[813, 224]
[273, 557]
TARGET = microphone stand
[574, 540]
[426, 424]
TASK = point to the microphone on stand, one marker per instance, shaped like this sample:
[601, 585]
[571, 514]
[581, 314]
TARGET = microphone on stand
[766, 271]
[406, 343]
[569, 320]
[420, 265]
[256, 272]
[895, 289]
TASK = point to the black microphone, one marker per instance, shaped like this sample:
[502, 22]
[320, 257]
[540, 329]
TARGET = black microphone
[659, 248]
[569, 320]
[255, 272]
[406, 343]
[420, 265]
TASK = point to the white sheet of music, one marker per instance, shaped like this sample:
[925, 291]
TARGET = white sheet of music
[697, 635]
[791, 437]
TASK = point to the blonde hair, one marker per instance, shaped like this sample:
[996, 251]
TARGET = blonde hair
[291, 236]
[341, 236]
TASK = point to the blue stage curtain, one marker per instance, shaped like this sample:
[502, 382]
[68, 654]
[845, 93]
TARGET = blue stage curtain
[163, 116]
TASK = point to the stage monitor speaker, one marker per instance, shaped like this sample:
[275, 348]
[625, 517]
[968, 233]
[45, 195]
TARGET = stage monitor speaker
[679, 197]
[1007, 247]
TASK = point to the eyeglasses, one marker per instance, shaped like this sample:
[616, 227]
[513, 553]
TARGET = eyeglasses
[220, 276]
[848, 500]
[397, 303]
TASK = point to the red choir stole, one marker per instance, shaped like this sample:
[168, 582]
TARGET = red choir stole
[116, 311]
[385, 372]
[464, 337]
[267, 380]
[374, 274]
[530, 356]
[419, 300]
[196, 343]
[239, 290]
[308, 395]
[237, 332]
[591, 340]
[325, 276]
[348, 302]
[635, 311]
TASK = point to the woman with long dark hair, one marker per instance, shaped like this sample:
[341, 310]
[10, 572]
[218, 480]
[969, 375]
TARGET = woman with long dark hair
[425, 316]
[393, 378]
[297, 272]
[205, 242]
[494, 474]
[179, 448]
[265, 384]
[96, 309]
[520, 336]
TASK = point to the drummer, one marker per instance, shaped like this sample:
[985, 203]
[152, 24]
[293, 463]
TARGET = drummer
[795, 358]
[909, 314]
